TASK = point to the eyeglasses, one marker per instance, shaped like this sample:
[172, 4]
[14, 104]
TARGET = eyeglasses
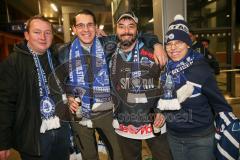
[176, 44]
[83, 26]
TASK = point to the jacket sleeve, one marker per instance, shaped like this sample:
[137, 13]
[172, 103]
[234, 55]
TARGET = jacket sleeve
[109, 44]
[8, 98]
[215, 97]
[61, 54]
[149, 39]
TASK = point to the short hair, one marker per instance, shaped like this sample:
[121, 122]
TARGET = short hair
[86, 12]
[39, 17]
[205, 40]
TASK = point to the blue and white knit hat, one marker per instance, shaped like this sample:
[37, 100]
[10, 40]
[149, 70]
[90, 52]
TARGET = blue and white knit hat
[178, 30]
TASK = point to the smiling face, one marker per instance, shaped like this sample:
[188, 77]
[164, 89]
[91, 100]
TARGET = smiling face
[126, 32]
[39, 35]
[85, 29]
[176, 49]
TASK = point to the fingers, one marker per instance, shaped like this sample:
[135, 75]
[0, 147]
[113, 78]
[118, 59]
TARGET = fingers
[100, 33]
[160, 56]
[73, 104]
[4, 154]
[159, 120]
[162, 59]
[155, 59]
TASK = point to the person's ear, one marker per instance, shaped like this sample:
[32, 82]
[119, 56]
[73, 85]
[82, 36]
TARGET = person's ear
[74, 29]
[26, 35]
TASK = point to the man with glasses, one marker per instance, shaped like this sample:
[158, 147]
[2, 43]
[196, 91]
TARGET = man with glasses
[88, 89]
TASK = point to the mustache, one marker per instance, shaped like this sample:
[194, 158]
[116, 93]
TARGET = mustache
[126, 34]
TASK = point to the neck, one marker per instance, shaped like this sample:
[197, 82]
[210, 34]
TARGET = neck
[128, 48]
[86, 46]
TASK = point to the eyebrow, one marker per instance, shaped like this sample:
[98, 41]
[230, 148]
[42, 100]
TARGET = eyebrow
[133, 24]
[37, 29]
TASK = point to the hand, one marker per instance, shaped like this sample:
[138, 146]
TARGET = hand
[100, 33]
[160, 56]
[4, 154]
[159, 120]
[73, 104]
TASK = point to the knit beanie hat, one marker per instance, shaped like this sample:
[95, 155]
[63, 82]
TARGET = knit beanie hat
[178, 30]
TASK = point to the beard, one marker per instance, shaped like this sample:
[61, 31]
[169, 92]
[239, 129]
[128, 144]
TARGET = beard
[128, 42]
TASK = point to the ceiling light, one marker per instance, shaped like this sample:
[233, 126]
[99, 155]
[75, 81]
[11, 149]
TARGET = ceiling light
[101, 26]
[54, 7]
[227, 15]
[151, 20]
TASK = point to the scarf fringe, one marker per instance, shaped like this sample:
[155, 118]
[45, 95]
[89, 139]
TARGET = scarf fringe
[168, 104]
[156, 129]
[48, 124]
[115, 124]
[102, 106]
[86, 122]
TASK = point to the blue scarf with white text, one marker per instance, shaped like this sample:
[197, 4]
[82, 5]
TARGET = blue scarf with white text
[78, 76]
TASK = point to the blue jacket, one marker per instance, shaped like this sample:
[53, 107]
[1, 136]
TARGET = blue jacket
[197, 112]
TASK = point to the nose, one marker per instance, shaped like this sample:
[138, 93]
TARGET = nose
[126, 29]
[42, 36]
[173, 46]
[85, 28]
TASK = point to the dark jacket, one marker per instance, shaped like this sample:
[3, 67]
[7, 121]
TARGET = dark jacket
[109, 44]
[20, 118]
[197, 112]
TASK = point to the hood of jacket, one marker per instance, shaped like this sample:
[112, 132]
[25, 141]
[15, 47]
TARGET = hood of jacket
[21, 48]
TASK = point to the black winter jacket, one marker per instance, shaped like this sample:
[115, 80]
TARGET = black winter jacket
[20, 118]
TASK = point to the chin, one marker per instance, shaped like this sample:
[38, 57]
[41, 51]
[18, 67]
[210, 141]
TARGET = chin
[87, 41]
[175, 59]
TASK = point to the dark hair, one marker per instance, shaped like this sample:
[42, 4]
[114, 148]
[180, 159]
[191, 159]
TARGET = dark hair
[86, 12]
[39, 17]
[205, 40]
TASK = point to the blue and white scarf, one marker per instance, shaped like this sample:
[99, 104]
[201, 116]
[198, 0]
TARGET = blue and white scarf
[175, 83]
[47, 104]
[101, 99]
